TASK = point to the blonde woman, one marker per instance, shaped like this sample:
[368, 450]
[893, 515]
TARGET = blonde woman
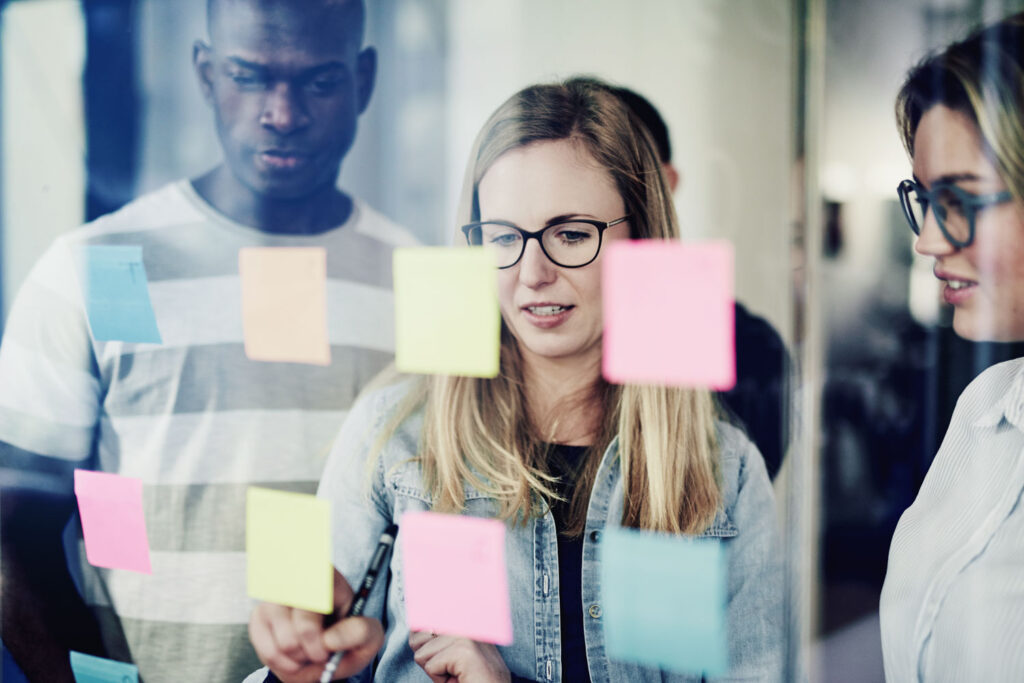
[952, 606]
[548, 446]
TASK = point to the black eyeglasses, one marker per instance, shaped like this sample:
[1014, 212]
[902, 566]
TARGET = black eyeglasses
[953, 207]
[570, 244]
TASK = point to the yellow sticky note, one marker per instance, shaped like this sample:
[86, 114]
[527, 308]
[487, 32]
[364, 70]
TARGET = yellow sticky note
[447, 320]
[288, 549]
[284, 304]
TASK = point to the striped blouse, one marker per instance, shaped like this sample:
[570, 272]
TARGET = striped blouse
[952, 607]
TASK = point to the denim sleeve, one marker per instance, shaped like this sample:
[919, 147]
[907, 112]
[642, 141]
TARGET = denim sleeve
[756, 616]
[352, 482]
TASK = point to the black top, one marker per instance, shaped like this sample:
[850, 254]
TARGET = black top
[565, 461]
[759, 401]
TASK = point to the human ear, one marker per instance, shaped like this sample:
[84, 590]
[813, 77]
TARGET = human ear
[366, 76]
[202, 63]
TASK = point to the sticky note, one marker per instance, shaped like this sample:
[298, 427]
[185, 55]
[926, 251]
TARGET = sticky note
[116, 294]
[113, 524]
[284, 304]
[664, 601]
[455, 576]
[446, 311]
[89, 669]
[669, 314]
[288, 549]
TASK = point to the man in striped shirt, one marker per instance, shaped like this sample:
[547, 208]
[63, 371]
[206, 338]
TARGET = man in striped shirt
[193, 417]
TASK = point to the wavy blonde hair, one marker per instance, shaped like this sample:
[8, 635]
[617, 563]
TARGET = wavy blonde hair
[478, 431]
[981, 76]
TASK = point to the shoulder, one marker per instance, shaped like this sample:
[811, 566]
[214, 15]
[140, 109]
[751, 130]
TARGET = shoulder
[371, 417]
[371, 223]
[168, 206]
[988, 389]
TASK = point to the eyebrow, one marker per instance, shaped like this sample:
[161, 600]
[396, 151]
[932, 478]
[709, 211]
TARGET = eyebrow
[567, 217]
[951, 178]
[306, 73]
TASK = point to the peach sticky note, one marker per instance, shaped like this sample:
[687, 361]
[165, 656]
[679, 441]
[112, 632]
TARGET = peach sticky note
[113, 524]
[288, 549]
[455, 576]
[284, 304]
[446, 311]
[669, 313]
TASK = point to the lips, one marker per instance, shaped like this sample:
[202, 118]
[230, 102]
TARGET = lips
[283, 159]
[957, 289]
[546, 314]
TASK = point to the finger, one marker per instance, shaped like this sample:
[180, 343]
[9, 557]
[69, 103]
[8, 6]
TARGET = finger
[360, 638]
[286, 638]
[431, 648]
[264, 640]
[309, 629]
[342, 594]
[440, 667]
[418, 639]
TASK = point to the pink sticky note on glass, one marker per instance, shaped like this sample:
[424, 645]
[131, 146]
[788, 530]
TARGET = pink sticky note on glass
[284, 304]
[669, 316]
[455, 576]
[113, 524]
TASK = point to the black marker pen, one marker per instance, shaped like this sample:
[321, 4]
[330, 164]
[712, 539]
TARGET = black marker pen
[387, 540]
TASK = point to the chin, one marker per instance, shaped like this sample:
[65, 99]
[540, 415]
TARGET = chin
[970, 328]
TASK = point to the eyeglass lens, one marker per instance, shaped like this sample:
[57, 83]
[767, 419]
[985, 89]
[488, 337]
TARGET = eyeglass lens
[567, 244]
[948, 207]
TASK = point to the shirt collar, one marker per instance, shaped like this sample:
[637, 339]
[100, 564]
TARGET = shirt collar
[1009, 406]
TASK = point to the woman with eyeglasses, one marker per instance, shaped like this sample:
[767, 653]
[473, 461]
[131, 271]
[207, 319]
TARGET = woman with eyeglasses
[952, 607]
[548, 446]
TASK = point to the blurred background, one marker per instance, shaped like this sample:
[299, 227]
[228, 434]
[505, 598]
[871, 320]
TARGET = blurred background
[780, 115]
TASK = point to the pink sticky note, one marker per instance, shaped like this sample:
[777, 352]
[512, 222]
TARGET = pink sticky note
[455, 576]
[284, 304]
[113, 524]
[669, 313]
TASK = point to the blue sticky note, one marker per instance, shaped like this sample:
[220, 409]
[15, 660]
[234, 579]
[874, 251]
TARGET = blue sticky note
[664, 601]
[89, 669]
[117, 294]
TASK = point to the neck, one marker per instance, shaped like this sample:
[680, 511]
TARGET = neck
[311, 214]
[563, 397]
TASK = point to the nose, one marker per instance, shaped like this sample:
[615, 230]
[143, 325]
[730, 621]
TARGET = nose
[535, 269]
[284, 110]
[931, 241]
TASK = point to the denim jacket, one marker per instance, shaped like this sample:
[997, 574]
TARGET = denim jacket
[746, 524]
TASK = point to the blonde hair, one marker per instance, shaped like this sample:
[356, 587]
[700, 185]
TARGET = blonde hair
[478, 431]
[981, 76]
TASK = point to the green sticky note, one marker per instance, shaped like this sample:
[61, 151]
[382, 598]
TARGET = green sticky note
[664, 601]
[288, 549]
[446, 311]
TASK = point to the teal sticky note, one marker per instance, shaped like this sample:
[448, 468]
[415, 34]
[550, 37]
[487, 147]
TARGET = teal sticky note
[89, 669]
[117, 294]
[664, 600]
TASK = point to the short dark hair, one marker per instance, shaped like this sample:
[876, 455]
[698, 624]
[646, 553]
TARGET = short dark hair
[642, 109]
[356, 6]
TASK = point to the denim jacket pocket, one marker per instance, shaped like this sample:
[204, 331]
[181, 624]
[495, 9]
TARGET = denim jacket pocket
[406, 479]
[721, 527]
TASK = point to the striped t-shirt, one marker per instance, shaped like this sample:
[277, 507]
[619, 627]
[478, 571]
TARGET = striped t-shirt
[193, 417]
[952, 606]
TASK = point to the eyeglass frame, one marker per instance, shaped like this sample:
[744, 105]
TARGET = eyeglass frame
[537, 234]
[971, 202]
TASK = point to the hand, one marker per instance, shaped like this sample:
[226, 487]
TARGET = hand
[449, 659]
[294, 644]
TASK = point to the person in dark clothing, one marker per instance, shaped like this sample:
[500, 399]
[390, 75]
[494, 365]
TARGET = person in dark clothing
[760, 398]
